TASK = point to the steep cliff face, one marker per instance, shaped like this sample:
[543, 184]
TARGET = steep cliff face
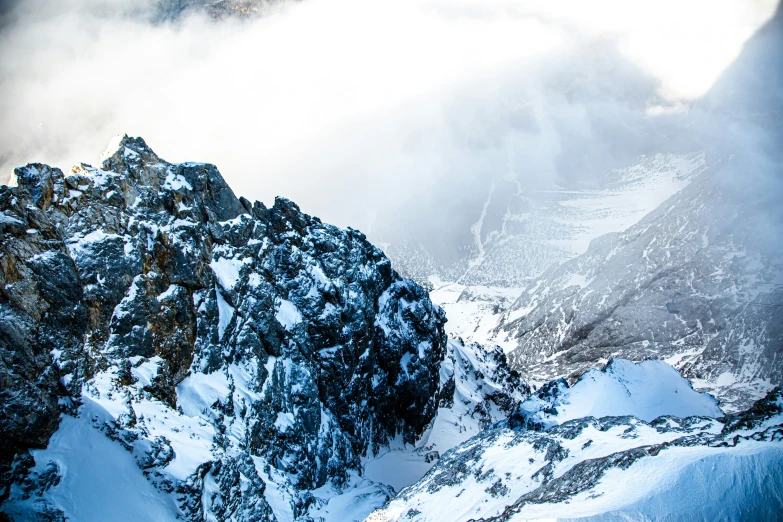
[222, 343]
[42, 324]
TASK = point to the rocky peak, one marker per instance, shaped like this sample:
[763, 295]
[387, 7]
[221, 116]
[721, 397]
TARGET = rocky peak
[296, 339]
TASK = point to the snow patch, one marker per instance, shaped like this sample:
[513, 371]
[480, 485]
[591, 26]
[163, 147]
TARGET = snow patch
[288, 314]
[176, 182]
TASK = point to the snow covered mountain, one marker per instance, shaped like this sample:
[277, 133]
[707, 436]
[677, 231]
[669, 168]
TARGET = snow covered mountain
[520, 231]
[169, 351]
[217, 360]
[478, 389]
[555, 225]
[697, 283]
[213, 359]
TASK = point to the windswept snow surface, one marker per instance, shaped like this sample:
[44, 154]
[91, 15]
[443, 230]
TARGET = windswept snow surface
[695, 484]
[645, 390]
[398, 466]
[359, 498]
[288, 314]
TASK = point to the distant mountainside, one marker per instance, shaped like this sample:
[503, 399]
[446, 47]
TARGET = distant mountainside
[572, 153]
[519, 232]
[698, 282]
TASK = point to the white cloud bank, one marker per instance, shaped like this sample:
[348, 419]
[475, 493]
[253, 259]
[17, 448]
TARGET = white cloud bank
[337, 104]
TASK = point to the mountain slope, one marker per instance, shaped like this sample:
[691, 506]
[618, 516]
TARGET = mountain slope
[520, 230]
[697, 283]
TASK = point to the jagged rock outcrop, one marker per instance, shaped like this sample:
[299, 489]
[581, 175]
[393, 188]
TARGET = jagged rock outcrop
[153, 296]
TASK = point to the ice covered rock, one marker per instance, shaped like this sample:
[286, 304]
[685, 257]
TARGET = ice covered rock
[43, 320]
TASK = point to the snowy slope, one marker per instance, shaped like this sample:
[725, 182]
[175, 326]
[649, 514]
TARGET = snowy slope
[696, 283]
[97, 478]
[646, 390]
[473, 312]
[555, 226]
[520, 231]
[615, 468]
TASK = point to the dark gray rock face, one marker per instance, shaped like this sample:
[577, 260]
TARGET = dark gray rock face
[42, 318]
[327, 352]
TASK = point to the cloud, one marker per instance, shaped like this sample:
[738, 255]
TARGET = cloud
[349, 107]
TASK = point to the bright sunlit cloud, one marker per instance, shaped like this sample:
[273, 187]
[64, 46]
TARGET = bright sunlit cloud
[686, 44]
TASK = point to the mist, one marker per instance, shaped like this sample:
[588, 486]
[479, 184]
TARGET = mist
[355, 110]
